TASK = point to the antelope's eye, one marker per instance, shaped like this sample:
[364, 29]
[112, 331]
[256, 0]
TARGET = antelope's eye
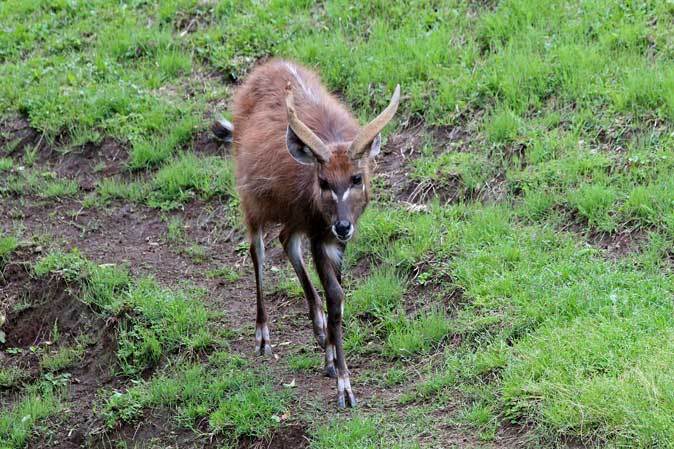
[323, 184]
[357, 180]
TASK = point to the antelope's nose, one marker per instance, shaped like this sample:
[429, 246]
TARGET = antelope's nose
[343, 230]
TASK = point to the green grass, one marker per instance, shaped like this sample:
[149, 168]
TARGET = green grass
[470, 171]
[11, 377]
[147, 153]
[305, 362]
[44, 184]
[360, 432]
[182, 178]
[110, 188]
[175, 230]
[419, 334]
[17, 423]
[6, 164]
[165, 330]
[59, 188]
[376, 309]
[569, 339]
[196, 253]
[228, 395]
[7, 246]
[595, 204]
[378, 295]
[61, 359]
[155, 322]
[189, 176]
[227, 273]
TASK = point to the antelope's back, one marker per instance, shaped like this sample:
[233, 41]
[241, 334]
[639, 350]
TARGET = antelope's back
[260, 118]
[272, 185]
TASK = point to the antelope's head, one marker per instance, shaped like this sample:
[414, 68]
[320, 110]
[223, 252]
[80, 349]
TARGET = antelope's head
[342, 178]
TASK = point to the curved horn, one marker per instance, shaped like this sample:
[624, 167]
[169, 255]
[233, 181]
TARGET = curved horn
[306, 135]
[370, 131]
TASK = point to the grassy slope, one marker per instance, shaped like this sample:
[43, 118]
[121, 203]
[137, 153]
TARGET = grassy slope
[567, 108]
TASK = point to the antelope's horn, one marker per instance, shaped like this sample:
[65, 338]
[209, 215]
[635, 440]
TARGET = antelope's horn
[370, 131]
[306, 135]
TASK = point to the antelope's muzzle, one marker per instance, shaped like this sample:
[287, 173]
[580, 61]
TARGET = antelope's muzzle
[343, 230]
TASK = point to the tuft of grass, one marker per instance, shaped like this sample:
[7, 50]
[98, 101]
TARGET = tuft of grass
[378, 295]
[169, 322]
[481, 416]
[305, 362]
[471, 170]
[503, 126]
[174, 64]
[155, 322]
[595, 202]
[7, 246]
[647, 205]
[227, 273]
[395, 376]
[289, 285]
[188, 176]
[358, 432]
[17, 423]
[251, 412]
[399, 238]
[6, 164]
[11, 376]
[58, 188]
[421, 334]
[61, 359]
[234, 400]
[196, 253]
[111, 188]
[151, 152]
[175, 229]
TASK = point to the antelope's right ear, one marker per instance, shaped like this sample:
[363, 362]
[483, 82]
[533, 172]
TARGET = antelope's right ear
[298, 149]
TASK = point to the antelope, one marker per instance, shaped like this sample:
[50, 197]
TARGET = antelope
[302, 161]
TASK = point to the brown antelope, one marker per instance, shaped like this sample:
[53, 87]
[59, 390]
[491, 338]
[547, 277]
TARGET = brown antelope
[303, 161]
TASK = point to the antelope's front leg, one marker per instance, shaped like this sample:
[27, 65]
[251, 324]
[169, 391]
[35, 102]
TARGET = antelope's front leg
[292, 244]
[328, 261]
[262, 340]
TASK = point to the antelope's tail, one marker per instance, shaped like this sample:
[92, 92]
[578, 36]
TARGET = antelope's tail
[223, 129]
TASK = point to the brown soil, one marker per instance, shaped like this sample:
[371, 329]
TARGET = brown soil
[39, 308]
[86, 164]
[618, 244]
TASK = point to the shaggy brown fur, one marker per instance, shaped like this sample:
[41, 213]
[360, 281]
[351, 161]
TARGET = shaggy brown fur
[302, 161]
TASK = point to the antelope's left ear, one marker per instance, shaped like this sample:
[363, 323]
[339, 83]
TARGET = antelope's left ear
[375, 147]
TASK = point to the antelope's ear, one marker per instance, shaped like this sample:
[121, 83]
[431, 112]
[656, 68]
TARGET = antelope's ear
[298, 149]
[375, 147]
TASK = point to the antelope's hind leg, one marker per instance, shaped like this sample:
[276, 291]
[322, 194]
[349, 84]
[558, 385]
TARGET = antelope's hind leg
[262, 340]
[292, 244]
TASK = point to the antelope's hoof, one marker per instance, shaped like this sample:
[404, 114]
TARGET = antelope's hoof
[330, 372]
[264, 350]
[262, 340]
[344, 394]
[346, 398]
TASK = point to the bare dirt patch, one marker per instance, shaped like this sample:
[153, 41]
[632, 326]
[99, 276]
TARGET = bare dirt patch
[85, 163]
[155, 427]
[44, 317]
[618, 244]
[89, 162]
[292, 436]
